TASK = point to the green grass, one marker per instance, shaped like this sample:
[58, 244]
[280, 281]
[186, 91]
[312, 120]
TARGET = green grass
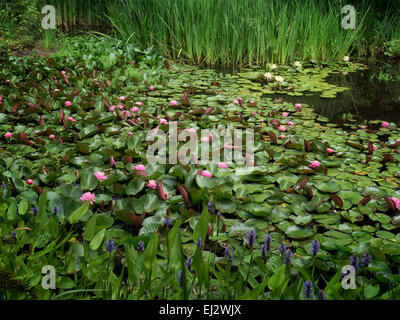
[77, 13]
[238, 32]
[49, 37]
[233, 33]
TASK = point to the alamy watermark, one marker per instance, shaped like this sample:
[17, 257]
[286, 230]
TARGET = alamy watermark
[237, 146]
[49, 20]
[49, 278]
[349, 277]
[349, 20]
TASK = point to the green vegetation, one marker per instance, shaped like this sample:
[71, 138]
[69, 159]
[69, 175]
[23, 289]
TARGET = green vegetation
[79, 193]
[19, 25]
[241, 33]
[233, 33]
[393, 49]
[322, 208]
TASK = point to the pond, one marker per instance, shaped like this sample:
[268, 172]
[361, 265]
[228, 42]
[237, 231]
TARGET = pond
[74, 164]
[373, 94]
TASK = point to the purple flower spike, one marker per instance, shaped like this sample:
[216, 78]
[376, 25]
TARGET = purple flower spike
[308, 289]
[314, 247]
[110, 245]
[251, 237]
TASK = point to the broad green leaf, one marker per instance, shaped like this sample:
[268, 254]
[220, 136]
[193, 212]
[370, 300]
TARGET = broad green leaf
[97, 240]
[22, 207]
[79, 213]
[150, 252]
[201, 226]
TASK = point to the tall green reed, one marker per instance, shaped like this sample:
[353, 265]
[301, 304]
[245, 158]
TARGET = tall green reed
[237, 32]
[240, 32]
[78, 13]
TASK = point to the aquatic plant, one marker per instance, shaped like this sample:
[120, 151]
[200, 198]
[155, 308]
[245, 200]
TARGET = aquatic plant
[119, 240]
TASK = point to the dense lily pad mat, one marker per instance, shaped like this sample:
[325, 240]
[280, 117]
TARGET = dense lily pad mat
[150, 231]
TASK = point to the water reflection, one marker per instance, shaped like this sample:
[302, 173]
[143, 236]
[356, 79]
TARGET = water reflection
[374, 94]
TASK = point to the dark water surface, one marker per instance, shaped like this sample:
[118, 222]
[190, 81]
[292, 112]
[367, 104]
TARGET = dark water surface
[374, 94]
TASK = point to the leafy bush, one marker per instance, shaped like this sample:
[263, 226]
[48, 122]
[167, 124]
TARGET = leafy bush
[19, 25]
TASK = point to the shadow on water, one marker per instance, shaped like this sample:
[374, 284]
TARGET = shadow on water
[374, 94]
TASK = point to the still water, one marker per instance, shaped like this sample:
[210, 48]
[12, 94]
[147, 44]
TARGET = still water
[374, 94]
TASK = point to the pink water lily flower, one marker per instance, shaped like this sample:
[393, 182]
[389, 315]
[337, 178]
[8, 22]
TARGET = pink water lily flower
[236, 101]
[396, 202]
[291, 124]
[130, 133]
[282, 136]
[385, 124]
[29, 181]
[56, 90]
[120, 106]
[140, 167]
[314, 164]
[206, 173]
[152, 184]
[191, 130]
[363, 127]
[222, 165]
[282, 128]
[8, 81]
[88, 196]
[174, 103]
[8, 135]
[101, 176]
[329, 150]
[135, 109]
[71, 119]
[140, 104]
[52, 136]
[163, 121]
[112, 108]
[151, 88]
[68, 103]
[126, 112]
[374, 147]
[285, 114]
[122, 98]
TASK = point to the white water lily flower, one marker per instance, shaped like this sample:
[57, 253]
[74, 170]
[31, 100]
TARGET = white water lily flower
[279, 78]
[268, 75]
[297, 63]
[346, 58]
[273, 66]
